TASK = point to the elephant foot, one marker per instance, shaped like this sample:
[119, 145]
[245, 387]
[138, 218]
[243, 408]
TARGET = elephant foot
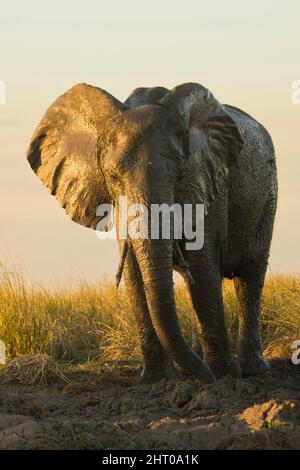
[152, 375]
[253, 364]
[222, 368]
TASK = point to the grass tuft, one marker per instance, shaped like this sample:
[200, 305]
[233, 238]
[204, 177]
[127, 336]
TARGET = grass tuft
[32, 370]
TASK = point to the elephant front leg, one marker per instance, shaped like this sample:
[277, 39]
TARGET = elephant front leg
[206, 294]
[248, 287]
[156, 362]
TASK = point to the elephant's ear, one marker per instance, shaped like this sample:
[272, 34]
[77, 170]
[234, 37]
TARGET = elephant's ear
[141, 96]
[215, 142]
[65, 150]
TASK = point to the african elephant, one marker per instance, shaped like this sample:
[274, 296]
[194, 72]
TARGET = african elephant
[179, 146]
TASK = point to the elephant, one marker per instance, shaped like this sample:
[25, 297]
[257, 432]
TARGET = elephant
[178, 146]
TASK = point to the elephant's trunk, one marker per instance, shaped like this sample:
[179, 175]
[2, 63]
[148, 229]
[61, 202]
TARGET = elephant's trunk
[155, 258]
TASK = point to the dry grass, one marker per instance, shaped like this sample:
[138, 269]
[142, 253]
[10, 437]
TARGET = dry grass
[32, 370]
[94, 321]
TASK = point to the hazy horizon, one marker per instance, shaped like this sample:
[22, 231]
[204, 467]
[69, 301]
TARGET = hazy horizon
[247, 58]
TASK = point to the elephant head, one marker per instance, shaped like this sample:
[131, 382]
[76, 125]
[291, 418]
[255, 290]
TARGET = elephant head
[89, 148]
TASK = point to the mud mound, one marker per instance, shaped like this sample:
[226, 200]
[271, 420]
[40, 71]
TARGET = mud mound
[107, 409]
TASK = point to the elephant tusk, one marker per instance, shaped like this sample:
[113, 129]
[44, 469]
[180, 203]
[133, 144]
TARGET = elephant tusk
[124, 250]
[183, 263]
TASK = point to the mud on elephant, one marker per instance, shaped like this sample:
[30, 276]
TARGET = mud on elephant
[164, 147]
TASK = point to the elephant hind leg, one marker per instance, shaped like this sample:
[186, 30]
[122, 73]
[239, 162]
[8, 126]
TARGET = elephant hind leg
[249, 288]
[249, 282]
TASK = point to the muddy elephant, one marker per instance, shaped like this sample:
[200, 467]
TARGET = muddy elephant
[164, 147]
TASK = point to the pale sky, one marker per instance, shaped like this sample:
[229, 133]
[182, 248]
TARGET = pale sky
[246, 53]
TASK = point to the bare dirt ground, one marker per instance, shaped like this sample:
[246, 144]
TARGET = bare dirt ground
[104, 408]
